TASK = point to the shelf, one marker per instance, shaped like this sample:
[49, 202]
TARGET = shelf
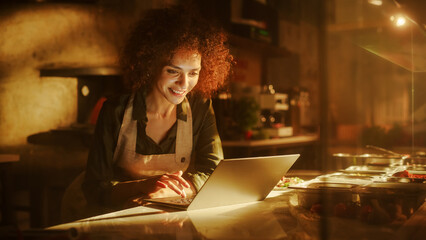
[79, 71]
[258, 47]
[290, 141]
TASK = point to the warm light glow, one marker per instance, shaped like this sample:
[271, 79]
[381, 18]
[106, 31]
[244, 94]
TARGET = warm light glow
[399, 21]
[85, 90]
[375, 2]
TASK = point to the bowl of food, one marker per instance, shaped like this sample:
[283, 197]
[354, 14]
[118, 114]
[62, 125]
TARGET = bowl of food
[408, 176]
[389, 202]
[322, 197]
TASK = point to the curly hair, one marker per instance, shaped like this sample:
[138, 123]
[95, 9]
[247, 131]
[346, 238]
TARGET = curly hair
[160, 33]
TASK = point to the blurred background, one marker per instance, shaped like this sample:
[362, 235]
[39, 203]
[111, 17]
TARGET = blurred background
[311, 77]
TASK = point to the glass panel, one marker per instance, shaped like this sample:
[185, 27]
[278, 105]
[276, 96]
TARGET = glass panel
[376, 69]
[375, 74]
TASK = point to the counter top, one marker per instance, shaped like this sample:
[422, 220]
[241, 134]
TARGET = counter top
[273, 218]
[293, 140]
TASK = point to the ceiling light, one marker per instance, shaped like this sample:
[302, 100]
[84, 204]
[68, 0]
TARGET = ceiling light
[398, 20]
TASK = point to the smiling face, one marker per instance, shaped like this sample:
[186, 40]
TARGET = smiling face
[179, 77]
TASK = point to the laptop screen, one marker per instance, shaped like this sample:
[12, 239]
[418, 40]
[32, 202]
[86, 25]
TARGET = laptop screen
[242, 180]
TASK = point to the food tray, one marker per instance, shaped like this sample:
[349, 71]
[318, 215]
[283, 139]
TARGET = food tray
[365, 170]
[407, 176]
[416, 167]
[347, 178]
[370, 159]
[378, 187]
[315, 185]
[405, 180]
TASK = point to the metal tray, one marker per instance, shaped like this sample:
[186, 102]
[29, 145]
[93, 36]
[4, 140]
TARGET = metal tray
[408, 179]
[325, 185]
[366, 170]
[397, 187]
[370, 159]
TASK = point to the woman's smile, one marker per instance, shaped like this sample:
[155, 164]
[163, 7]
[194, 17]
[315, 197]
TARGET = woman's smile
[178, 92]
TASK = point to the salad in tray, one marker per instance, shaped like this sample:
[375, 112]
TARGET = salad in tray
[287, 181]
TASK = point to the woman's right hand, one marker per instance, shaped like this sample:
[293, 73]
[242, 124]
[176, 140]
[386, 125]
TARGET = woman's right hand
[133, 192]
[169, 185]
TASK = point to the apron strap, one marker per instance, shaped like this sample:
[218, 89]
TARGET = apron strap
[184, 136]
[127, 120]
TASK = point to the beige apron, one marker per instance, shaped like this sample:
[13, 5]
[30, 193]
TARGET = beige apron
[142, 166]
[138, 166]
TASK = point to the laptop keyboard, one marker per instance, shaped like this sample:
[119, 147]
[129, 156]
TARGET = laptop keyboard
[181, 200]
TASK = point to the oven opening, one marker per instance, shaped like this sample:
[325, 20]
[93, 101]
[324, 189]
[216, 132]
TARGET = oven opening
[94, 86]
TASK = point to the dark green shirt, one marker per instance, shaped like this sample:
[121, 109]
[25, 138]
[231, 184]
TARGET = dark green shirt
[102, 172]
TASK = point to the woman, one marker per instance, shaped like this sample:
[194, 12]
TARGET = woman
[160, 140]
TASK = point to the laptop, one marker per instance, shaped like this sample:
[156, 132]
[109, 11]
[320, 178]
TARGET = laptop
[235, 181]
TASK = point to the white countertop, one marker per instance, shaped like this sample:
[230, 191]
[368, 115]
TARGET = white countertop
[273, 218]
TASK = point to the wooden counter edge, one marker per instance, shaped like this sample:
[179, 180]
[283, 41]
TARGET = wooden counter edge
[302, 139]
[5, 158]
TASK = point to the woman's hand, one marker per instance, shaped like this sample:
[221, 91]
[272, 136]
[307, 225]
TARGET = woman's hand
[170, 185]
[132, 193]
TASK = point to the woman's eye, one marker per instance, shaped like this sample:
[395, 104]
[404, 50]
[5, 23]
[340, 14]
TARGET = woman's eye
[193, 74]
[171, 71]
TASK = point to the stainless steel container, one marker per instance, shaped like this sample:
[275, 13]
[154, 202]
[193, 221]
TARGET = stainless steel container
[347, 159]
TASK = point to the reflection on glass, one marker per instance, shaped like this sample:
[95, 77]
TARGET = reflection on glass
[376, 76]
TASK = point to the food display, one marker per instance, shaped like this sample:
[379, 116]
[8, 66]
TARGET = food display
[409, 176]
[367, 170]
[370, 159]
[415, 167]
[348, 177]
[369, 194]
[287, 181]
[313, 194]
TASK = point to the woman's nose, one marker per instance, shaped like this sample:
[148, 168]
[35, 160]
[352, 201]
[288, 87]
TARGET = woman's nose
[183, 81]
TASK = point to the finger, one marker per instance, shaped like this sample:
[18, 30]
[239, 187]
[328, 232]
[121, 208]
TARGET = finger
[161, 184]
[180, 179]
[176, 188]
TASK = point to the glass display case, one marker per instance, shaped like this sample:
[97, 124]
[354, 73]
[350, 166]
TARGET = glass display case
[372, 80]
[375, 73]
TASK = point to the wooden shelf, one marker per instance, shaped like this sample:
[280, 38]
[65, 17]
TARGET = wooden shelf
[79, 71]
[258, 47]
